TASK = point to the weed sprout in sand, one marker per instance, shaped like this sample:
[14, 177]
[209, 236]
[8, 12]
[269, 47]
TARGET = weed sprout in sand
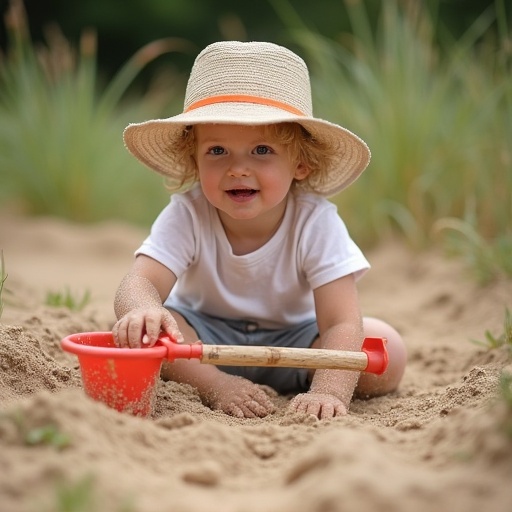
[3, 278]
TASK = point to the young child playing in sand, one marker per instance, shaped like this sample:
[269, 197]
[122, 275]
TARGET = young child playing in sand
[252, 252]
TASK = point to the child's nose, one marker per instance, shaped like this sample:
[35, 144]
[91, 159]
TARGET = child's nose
[239, 167]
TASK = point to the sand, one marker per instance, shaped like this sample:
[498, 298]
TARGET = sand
[438, 444]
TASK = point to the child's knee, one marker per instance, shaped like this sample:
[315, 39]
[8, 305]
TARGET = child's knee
[375, 385]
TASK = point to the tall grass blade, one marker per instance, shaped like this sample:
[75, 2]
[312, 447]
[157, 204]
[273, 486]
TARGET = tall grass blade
[3, 278]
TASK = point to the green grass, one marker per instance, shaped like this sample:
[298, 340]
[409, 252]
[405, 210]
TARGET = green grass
[485, 259]
[437, 115]
[506, 393]
[68, 299]
[81, 496]
[502, 340]
[61, 149]
[493, 342]
[48, 435]
[76, 497]
[3, 278]
[435, 111]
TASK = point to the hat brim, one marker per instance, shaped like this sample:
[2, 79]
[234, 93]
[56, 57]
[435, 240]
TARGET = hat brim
[152, 142]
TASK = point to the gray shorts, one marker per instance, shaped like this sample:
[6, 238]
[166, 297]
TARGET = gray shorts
[220, 331]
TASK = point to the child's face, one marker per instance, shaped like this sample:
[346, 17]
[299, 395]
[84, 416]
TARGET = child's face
[241, 172]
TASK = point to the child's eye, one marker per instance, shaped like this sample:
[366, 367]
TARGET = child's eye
[216, 150]
[262, 150]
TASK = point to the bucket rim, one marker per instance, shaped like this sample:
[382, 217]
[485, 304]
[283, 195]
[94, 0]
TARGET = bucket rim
[71, 344]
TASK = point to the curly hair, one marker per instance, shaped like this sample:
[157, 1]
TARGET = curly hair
[302, 148]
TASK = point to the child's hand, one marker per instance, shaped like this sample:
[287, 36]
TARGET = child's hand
[239, 397]
[321, 405]
[142, 326]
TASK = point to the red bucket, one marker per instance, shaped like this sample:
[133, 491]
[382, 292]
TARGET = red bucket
[122, 378]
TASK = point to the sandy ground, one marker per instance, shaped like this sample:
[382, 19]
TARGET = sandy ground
[438, 444]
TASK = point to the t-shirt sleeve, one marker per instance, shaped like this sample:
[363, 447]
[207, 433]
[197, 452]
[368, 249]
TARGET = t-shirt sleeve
[172, 241]
[327, 250]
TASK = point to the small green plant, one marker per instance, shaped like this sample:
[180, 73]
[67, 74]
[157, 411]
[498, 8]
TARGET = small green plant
[80, 496]
[3, 277]
[48, 435]
[504, 339]
[68, 300]
[76, 496]
[506, 393]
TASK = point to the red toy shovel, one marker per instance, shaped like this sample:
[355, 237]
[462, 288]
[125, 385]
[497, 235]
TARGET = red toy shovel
[372, 358]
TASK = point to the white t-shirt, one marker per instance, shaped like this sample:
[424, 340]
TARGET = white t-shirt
[272, 285]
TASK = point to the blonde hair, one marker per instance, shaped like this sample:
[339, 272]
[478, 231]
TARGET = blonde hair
[302, 148]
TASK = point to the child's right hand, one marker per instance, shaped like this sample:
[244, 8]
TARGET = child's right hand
[143, 326]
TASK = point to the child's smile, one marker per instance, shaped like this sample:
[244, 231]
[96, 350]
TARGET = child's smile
[242, 194]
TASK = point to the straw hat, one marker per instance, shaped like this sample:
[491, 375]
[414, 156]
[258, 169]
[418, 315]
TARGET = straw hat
[250, 84]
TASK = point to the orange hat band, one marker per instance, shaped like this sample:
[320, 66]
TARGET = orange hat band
[243, 98]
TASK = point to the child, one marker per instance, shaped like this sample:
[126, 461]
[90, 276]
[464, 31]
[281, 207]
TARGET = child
[252, 253]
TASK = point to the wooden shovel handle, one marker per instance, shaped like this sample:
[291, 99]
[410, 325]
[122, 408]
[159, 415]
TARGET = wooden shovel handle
[226, 355]
[372, 358]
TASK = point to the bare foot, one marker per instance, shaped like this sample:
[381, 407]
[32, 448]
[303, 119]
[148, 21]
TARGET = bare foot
[239, 397]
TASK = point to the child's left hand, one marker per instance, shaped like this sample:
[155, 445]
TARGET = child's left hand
[321, 405]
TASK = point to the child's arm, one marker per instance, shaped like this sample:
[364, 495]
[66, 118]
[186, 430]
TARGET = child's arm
[138, 307]
[340, 326]
[138, 304]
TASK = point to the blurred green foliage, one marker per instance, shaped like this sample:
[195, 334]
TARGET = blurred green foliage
[68, 299]
[61, 149]
[434, 104]
[437, 115]
[123, 27]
